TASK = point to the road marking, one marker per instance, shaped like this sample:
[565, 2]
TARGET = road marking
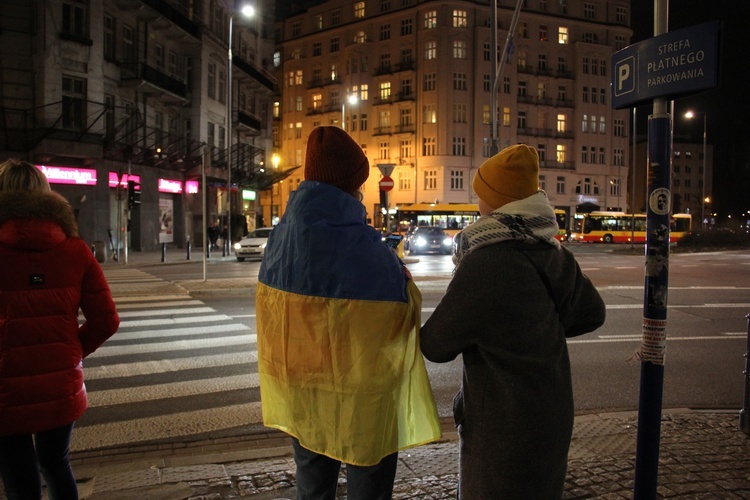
[679, 306]
[173, 345]
[167, 365]
[180, 424]
[177, 332]
[174, 321]
[140, 394]
[167, 312]
[149, 305]
[604, 340]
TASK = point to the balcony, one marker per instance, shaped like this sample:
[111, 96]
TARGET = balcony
[248, 123]
[142, 73]
[382, 130]
[261, 79]
[405, 66]
[175, 16]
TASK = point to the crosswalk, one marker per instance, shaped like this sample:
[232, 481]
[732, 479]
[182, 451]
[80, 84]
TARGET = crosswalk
[176, 368]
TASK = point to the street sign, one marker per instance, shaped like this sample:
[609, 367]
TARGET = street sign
[667, 66]
[386, 168]
[386, 183]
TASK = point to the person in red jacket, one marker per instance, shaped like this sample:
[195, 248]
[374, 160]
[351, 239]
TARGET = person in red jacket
[47, 273]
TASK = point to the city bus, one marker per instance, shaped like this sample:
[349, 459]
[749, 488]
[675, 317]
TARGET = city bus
[453, 217]
[617, 227]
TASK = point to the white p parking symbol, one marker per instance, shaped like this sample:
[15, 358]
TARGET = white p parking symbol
[625, 71]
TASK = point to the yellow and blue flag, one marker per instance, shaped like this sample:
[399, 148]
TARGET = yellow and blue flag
[338, 334]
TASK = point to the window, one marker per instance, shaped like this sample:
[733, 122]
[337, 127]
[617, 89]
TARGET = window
[404, 181]
[385, 5]
[405, 150]
[385, 31]
[360, 38]
[128, 44]
[614, 187]
[506, 117]
[364, 92]
[429, 81]
[211, 80]
[430, 19]
[506, 85]
[318, 22]
[543, 182]
[385, 91]
[359, 9]
[561, 153]
[459, 146]
[335, 44]
[619, 42]
[336, 17]
[561, 125]
[486, 114]
[457, 180]
[430, 51]
[543, 33]
[584, 154]
[363, 122]
[486, 83]
[541, 150]
[406, 26]
[385, 62]
[298, 130]
[296, 28]
[429, 113]
[602, 96]
[109, 38]
[589, 10]
[317, 48]
[560, 185]
[459, 81]
[562, 93]
[211, 134]
[562, 65]
[222, 86]
[621, 15]
[486, 53]
[601, 125]
[459, 19]
[317, 100]
[521, 89]
[109, 116]
[75, 19]
[585, 123]
[619, 157]
[562, 35]
[459, 49]
[429, 147]
[430, 180]
[541, 62]
[298, 77]
[522, 120]
[585, 65]
[384, 150]
[619, 128]
[602, 159]
[585, 94]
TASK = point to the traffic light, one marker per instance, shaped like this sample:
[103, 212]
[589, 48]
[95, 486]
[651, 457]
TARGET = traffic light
[134, 194]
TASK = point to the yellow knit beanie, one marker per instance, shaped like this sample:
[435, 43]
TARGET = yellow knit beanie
[510, 175]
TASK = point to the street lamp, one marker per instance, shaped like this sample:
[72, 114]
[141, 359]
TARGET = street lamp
[247, 11]
[352, 100]
[690, 115]
[275, 160]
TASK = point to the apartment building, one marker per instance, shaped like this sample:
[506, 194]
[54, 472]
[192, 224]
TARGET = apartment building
[98, 93]
[420, 75]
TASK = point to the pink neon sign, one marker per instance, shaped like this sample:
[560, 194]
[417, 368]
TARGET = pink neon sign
[191, 187]
[124, 181]
[69, 175]
[170, 186]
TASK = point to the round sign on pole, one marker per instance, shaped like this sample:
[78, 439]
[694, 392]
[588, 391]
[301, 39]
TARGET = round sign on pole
[386, 183]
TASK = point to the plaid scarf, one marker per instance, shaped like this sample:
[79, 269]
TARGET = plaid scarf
[531, 219]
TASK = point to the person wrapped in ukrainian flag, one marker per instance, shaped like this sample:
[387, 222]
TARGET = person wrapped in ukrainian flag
[338, 320]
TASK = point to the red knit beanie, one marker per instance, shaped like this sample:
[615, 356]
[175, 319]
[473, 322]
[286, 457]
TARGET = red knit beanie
[334, 158]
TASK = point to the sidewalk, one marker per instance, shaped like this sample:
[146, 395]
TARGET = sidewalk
[702, 453]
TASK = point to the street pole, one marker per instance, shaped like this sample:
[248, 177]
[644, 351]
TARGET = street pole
[229, 138]
[654, 328]
[632, 194]
[703, 187]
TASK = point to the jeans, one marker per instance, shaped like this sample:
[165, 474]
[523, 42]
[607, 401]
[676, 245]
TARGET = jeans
[24, 456]
[317, 477]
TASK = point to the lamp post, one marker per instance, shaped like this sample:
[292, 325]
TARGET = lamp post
[352, 100]
[247, 11]
[690, 115]
[275, 160]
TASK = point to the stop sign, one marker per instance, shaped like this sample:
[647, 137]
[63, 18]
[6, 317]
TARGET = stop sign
[386, 183]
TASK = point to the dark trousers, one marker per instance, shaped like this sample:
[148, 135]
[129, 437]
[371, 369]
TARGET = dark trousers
[24, 456]
[317, 477]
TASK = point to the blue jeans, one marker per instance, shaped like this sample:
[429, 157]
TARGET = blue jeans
[24, 456]
[317, 477]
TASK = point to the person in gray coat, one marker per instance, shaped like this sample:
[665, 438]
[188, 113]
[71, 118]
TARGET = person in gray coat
[515, 296]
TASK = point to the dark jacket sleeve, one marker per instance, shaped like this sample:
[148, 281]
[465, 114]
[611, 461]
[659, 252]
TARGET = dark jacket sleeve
[584, 311]
[98, 308]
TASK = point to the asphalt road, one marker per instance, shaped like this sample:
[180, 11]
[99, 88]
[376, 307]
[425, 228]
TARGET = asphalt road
[184, 367]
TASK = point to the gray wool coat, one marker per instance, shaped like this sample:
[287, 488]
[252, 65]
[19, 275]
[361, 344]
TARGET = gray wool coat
[514, 411]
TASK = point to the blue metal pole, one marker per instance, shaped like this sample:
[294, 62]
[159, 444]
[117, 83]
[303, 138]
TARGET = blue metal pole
[655, 306]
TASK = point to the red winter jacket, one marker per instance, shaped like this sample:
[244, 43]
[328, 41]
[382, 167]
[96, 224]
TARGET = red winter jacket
[46, 274]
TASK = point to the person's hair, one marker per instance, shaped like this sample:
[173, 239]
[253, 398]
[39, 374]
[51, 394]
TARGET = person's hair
[18, 175]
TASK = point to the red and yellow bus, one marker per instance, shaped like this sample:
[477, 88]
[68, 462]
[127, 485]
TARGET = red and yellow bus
[619, 227]
[453, 217]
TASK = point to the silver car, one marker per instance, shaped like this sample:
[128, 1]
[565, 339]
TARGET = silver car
[253, 245]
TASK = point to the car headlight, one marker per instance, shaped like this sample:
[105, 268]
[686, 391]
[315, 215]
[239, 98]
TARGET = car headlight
[263, 246]
[237, 246]
[420, 241]
[447, 241]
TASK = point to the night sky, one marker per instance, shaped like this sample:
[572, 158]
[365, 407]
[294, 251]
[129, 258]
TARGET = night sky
[727, 107]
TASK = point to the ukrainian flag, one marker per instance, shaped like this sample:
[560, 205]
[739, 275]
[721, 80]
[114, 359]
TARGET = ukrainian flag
[338, 347]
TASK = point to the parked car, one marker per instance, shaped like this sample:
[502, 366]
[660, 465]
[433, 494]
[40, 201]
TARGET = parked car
[430, 239]
[253, 245]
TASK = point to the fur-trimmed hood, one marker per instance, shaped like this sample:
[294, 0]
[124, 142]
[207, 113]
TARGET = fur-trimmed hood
[44, 217]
